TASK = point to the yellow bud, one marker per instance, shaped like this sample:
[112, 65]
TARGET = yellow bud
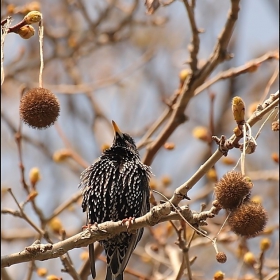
[84, 255]
[184, 74]
[153, 184]
[201, 133]
[11, 8]
[212, 174]
[41, 271]
[146, 258]
[249, 258]
[275, 157]
[169, 146]
[61, 155]
[219, 275]
[34, 175]
[253, 108]
[33, 17]
[265, 244]
[32, 195]
[238, 109]
[166, 180]
[56, 225]
[237, 131]
[4, 190]
[53, 277]
[169, 229]
[228, 160]
[26, 31]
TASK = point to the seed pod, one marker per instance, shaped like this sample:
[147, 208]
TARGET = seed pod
[250, 147]
[232, 189]
[39, 108]
[221, 257]
[248, 220]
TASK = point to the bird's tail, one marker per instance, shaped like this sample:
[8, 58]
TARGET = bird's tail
[91, 260]
[110, 276]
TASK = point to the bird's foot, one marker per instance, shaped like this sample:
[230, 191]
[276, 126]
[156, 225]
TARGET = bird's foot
[88, 226]
[130, 221]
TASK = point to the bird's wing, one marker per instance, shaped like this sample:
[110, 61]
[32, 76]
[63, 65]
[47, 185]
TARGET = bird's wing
[118, 261]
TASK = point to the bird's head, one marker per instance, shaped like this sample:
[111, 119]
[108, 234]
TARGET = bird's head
[123, 140]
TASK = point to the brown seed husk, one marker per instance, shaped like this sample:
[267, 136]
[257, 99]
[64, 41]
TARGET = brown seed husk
[232, 189]
[221, 257]
[248, 220]
[39, 108]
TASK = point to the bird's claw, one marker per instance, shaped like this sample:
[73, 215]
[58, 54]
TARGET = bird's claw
[130, 221]
[88, 226]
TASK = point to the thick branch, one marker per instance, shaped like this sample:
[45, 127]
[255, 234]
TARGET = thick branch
[84, 238]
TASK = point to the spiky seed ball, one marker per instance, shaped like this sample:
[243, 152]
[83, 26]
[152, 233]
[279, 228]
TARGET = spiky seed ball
[248, 220]
[39, 108]
[221, 257]
[232, 189]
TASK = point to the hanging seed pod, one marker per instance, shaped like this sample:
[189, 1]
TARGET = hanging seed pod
[248, 220]
[39, 108]
[232, 189]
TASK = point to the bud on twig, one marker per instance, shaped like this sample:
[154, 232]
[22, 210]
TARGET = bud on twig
[26, 31]
[238, 109]
[33, 17]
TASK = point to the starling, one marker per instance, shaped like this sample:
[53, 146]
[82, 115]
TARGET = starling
[114, 188]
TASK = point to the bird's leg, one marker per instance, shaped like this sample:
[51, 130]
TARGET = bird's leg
[130, 221]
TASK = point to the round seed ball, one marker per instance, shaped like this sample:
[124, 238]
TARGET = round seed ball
[39, 108]
[248, 220]
[232, 189]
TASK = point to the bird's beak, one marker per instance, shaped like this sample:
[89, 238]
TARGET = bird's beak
[116, 129]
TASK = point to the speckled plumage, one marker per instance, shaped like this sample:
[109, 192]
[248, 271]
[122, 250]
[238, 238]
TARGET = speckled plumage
[116, 187]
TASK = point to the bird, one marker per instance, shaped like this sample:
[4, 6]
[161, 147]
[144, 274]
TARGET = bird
[116, 188]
